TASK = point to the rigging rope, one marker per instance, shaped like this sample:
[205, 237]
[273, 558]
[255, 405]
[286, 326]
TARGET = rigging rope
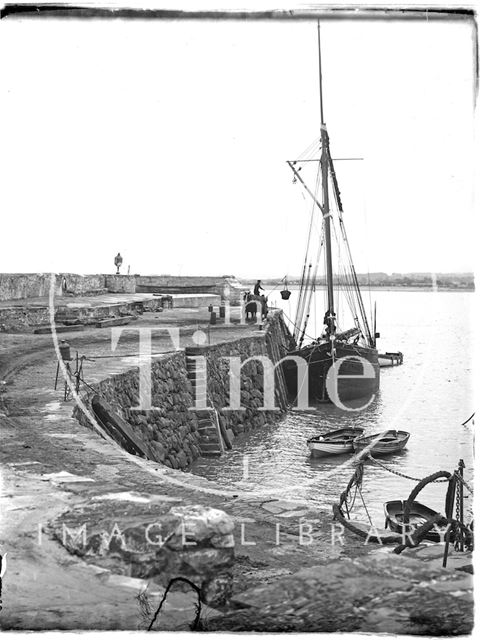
[355, 281]
[303, 305]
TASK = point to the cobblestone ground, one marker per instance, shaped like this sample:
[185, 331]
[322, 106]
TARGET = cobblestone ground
[57, 472]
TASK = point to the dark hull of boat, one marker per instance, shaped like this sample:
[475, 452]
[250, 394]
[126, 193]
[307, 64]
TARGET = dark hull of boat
[419, 514]
[319, 360]
[388, 442]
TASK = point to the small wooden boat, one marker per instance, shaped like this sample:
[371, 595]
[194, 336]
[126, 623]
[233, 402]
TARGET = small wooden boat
[335, 442]
[120, 430]
[386, 442]
[419, 514]
[390, 359]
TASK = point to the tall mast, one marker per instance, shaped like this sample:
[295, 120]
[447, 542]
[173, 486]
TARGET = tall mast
[326, 204]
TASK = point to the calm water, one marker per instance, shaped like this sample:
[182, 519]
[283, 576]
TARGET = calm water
[430, 395]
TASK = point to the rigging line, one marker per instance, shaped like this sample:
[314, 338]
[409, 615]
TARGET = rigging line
[303, 293]
[309, 292]
[341, 265]
[304, 305]
[299, 300]
[344, 235]
[354, 278]
[276, 285]
[291, 322]
[312, 286]
[309, 233]
[311, 147]
[347, 287]
[296, 330]
[364, 193]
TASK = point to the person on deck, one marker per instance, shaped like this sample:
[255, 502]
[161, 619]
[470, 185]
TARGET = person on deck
[258, 288]
[329, 321]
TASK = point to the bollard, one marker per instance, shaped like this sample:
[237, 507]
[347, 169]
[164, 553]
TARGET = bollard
[213, 319]
[65, 350]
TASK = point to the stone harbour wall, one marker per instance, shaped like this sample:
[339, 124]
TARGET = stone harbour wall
[227, 287]
[171, 428]
[20, 318]
[271, 343]
[19, 286]
[120, 283]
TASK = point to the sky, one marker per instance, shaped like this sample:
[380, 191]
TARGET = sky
[167, 141]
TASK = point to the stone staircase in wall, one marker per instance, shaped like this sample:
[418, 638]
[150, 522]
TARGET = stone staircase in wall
[210, 439]
[209, 443]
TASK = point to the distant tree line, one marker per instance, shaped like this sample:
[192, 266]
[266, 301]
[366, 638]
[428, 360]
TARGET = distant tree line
[463, 281]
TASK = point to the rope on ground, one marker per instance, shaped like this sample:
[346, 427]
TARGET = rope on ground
[463, 424]
[195, 624]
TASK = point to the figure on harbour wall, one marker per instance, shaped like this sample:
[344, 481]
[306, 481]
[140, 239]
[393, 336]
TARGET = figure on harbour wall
[258, 288]
[118, 263]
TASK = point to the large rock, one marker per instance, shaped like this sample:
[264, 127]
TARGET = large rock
[381, 593]
[194, 542]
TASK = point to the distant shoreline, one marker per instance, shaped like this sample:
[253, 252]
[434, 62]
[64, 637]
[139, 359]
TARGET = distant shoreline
[374, 287]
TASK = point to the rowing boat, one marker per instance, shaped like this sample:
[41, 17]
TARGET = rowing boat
[335, 442]
[390, 359]
[419, 514]
[379, 444]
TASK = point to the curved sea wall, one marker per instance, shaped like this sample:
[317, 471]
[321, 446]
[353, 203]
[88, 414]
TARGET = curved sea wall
[173, 429]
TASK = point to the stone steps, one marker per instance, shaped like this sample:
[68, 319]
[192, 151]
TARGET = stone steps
[209, 444]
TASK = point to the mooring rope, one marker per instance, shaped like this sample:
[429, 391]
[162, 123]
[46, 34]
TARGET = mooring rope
[398, 473]
[365, 506]
[464, 482]
[403, 475]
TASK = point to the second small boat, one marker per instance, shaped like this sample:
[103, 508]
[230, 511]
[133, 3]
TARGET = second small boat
[385, 443]
[335, 442]
[419, 514]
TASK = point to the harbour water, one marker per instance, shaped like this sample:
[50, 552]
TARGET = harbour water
[430, 396]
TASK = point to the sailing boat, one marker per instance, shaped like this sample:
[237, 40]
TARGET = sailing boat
[342, 364]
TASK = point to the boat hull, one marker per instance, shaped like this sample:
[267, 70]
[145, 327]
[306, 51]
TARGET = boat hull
[419, 514]
[327, 449]
[334, 443]
[387, 444]
[353, 382]
[389, 359]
